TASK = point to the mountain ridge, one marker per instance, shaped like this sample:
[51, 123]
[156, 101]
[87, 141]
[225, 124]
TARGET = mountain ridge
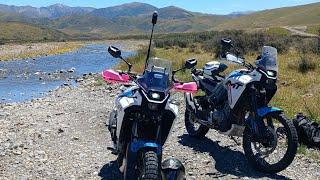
[134, 18]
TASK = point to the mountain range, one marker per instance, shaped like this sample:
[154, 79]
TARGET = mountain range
[134, 18]
[53, 11]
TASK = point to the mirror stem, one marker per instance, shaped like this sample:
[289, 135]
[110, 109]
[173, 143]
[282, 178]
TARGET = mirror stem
[174, 72]
[129, 64]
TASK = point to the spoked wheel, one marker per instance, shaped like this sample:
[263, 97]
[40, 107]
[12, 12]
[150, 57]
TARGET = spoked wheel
[194, 128]
[148, 166]
[275, 152]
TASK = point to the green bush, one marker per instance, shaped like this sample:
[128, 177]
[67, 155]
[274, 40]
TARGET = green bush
[245, 42]
[306, 65]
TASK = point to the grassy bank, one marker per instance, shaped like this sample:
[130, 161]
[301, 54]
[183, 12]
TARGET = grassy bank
[298, 88]
[32, 50]
[315, 29]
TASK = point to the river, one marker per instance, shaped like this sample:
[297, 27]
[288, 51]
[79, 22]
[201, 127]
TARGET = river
[23, 80]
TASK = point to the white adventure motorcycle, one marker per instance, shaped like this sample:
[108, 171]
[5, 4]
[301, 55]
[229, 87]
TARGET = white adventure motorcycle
[237, 105]
[144, 114]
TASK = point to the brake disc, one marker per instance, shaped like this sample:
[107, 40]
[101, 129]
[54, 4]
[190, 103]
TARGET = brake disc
[272, 143]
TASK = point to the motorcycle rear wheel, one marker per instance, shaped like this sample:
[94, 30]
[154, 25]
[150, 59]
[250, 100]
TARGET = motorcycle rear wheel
[259, 160]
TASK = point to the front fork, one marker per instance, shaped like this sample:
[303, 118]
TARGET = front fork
[137, 145]
[254, 121]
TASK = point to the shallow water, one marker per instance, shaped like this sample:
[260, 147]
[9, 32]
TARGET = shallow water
[26, 79]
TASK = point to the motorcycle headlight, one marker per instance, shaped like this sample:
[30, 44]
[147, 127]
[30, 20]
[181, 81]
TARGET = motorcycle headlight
[155, 95]
[271, 73]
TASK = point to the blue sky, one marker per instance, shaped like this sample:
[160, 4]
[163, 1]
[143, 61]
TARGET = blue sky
[205, 6]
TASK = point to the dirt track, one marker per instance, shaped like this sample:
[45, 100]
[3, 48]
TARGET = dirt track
[299, 32]
[63, 136]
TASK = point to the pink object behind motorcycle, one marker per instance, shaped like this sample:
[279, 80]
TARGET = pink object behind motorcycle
[112, 76]
[190, 87]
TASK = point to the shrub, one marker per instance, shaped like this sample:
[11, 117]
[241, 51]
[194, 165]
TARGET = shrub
[306, 64]
[278, 31]
[245, 42]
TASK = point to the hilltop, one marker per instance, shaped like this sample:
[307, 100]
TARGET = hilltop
[17, 32]
[289, 16]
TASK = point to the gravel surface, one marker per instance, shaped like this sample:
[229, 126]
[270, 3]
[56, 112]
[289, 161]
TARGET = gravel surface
[63, 136]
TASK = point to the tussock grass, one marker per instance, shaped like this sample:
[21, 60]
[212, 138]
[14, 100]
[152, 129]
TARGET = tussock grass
[314, 29]
[278, 31]
[302, 149]
[298, 91]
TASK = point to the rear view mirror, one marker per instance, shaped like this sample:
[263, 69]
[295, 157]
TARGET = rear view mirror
[154, 18]
[114, 52]
[190, 63]
[226, 43]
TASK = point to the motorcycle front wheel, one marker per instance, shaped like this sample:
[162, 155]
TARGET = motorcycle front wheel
[148, 166]
[194, 129]
[278, 151]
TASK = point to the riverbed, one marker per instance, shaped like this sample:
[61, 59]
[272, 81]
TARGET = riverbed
[30, 78]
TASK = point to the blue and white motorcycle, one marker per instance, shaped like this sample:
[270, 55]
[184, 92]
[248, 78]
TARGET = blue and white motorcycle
[143, 116]
[237, 105]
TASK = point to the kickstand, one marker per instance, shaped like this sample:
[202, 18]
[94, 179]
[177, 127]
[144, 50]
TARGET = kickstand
[113, 150]
[235, 140]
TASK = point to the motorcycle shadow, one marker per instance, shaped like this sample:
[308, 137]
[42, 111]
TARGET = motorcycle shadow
[227, 161]
[110, 171]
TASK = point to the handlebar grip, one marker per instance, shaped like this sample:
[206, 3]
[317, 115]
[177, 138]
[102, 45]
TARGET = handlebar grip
[197, 72]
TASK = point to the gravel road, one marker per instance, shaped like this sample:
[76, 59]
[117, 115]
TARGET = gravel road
[63, 136]
[300, 31]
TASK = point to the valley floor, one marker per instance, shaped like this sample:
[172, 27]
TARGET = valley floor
[34, 50]
[63, 136]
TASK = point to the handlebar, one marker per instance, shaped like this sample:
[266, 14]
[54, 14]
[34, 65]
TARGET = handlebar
[130, 74]
[249, 66]
[197, 72]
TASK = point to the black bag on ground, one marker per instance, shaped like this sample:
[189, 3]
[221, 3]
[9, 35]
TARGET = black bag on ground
[308, 131]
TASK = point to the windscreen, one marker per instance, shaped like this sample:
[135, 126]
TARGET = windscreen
[157, 75]
[268, 59]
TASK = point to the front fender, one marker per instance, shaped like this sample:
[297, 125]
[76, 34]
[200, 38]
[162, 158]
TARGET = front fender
[135, 146]
[267, 110]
